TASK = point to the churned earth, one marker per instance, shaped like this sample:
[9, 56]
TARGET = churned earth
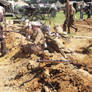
[21, 73]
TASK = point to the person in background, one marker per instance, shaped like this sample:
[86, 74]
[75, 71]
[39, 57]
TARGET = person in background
[88, 11]
[70, 19]
[2, 38]
[81, 12]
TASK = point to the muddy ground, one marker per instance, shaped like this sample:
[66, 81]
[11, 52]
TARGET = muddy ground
[21, 73]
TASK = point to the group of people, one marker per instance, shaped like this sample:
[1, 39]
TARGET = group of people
[37, 31]
[85, 10]
[40, 35]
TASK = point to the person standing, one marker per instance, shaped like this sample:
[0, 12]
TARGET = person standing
[81, 12]
[2, 39]
[70, 18]
[88, 11]
[66, 12]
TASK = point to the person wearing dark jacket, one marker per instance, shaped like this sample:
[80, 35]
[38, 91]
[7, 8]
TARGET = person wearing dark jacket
[88, 12]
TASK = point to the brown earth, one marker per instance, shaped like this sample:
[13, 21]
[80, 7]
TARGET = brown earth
[21, 73]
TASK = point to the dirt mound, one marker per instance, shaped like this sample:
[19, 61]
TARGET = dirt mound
[21, 73]
[59, 78]
[52, 78]
[85, 22]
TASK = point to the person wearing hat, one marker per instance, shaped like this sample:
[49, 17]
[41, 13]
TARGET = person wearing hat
[2, 40]
[37, 34]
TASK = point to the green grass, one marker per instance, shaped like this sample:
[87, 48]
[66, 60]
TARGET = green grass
[60, 17]
[78, 16]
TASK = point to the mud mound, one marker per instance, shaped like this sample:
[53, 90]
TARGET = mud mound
[53, 78]
[85, 22]
[20, 73]
[60, 78]
[14, 39]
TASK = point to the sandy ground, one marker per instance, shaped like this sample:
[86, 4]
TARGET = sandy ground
[23, 74]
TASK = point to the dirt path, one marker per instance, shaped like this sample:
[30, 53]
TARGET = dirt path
[84, 26]
[8, 72]
[80, 44]
[5, 70]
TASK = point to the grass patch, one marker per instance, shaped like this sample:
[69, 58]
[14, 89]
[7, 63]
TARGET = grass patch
[59, 19]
